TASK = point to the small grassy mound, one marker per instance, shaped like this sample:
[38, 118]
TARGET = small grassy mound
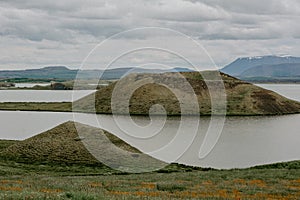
[6, 143]
[61, 145]
[58, 145]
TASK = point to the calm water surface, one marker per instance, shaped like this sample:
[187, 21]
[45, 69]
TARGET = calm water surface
[291, 91]
[42, 95]
[30, 85]
[244, 142]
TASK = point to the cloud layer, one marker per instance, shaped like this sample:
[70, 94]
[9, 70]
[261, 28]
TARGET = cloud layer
[35, 33]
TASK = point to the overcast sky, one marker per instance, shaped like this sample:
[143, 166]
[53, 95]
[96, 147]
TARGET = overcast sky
[36, 33]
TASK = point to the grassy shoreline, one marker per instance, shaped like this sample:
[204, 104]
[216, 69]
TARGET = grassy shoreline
[67, 107]
[37, 106]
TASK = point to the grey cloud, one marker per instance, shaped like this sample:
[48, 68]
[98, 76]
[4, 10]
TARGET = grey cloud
[74, 24]
[30, 25]
[52, 5]
[178, 10]
[257, 7]
[61, 20]
[57, 20]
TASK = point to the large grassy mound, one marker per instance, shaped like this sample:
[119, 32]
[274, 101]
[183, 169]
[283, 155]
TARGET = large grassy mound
[63, 145]
[242, 98]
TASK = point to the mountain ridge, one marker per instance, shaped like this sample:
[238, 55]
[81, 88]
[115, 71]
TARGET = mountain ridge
[276, 71]
[65, 73]
[238, 66]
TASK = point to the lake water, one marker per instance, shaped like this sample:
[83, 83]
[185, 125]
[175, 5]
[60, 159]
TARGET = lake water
[30, 85]
[42, 95]
[244, 141]
[291, 91]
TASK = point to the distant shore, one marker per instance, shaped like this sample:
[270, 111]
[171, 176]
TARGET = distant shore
[67, 107]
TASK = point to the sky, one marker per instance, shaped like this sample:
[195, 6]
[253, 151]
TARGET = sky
[37, 33]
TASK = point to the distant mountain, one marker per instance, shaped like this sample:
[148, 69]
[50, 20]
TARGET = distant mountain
[241, 65]
[62, 72]
[275, 71]
[51, 72]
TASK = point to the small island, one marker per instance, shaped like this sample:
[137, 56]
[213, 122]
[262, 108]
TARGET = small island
[242, 98]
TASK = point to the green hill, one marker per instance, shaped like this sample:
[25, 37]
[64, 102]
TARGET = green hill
[242, 98]
[62, 145]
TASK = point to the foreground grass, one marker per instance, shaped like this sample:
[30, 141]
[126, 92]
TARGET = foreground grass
[230, 184]
[50, 181]
[33, 180]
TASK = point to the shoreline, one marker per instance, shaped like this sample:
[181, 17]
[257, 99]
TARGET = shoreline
[67, 107]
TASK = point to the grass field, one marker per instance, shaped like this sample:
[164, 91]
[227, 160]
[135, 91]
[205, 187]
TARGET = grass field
[194, 184]
[34, 180]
